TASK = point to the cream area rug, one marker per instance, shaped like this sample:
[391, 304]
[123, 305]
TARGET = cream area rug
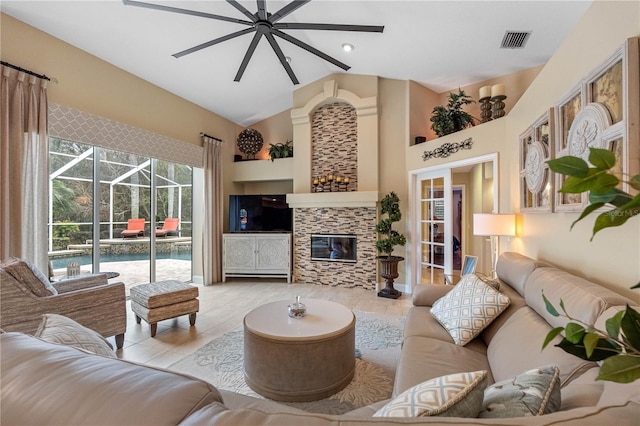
[378, 340]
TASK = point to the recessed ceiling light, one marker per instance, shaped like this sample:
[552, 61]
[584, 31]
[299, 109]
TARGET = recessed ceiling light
[288, 58]
[347, 47]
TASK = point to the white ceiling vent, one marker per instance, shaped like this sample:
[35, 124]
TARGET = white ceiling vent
[515, 39]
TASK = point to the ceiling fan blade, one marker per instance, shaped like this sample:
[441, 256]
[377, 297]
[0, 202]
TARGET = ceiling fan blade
[329, 27]
[280, 55]
[243, 10]
[185, 11]
[262, 10]
[248, 55]
[311, 49]
[287, 10]
[212, 42]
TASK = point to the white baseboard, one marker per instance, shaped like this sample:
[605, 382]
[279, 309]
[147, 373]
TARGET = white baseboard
[197, 279]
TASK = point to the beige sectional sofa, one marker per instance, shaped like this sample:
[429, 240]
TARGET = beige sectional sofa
[44, 383]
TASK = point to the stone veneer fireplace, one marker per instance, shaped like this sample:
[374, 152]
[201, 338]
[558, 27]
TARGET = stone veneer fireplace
[336, 131]
[359, 221]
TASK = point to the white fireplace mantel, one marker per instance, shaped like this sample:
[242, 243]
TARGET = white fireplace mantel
[333, 199]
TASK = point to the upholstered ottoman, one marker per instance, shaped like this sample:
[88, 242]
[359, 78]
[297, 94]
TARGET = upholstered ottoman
[164, 300]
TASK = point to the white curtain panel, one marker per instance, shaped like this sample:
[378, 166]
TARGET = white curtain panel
[24, 165]
[213, 211]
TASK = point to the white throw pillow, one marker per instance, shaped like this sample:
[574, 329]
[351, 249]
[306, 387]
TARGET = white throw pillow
[467, 309]
[455, 395]
[65, 331]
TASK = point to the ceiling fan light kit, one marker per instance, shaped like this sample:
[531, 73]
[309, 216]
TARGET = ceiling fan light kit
[267, 25]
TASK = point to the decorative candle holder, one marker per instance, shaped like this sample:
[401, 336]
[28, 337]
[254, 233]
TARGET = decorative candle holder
[326, 183]
[485, 108]
[297, 309]
[498, 106]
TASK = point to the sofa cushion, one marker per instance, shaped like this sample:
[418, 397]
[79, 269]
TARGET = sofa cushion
[517, 347]
[423, 358]
[583, 300]
[65, 331]
[428, 294]
[44, 383]
[28, 275]
[455, 395]
[516, 302]
[514, 269]
[584, 391]
[469, 308]
[532, 393]
[421, 323]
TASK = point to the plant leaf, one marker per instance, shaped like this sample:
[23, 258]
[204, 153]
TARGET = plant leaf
[604, 183]
[608, 219]
[636, 286]
[620, 369]
[635, 182]
[574, 332]
[551, 335]
[590, 342]
[602, 159]
[612, 324]
[586, 212]
[563, 308]
[630, 325]
[550, 307]
[580, 184]
[569, 165]
[616, 197]
[603, 349]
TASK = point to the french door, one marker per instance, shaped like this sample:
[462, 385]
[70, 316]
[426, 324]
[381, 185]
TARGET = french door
[434, 241]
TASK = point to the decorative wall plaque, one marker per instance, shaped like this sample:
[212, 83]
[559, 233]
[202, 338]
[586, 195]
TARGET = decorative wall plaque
[536, 146]
[446, 149]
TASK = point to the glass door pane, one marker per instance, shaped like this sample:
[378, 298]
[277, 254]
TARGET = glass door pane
[125, 195]
[173, 186]
[70, 206]
[434, 226]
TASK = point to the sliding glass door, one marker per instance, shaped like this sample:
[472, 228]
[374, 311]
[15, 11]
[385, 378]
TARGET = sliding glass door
[120, 213]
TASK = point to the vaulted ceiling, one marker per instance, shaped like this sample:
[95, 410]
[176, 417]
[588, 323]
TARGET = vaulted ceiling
[439, 44]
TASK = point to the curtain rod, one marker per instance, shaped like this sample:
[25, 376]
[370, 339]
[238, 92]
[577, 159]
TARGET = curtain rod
[15, 67]
[212, 137]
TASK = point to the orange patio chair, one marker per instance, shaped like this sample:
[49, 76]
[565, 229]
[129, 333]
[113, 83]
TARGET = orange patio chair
[135, 228]
[170, 227]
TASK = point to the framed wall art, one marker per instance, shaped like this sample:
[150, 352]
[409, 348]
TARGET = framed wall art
[536, 148]
[603, 111]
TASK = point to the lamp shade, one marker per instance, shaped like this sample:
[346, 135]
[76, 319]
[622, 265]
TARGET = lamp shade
[494, 224]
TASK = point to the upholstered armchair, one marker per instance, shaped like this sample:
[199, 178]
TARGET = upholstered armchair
[26, 294]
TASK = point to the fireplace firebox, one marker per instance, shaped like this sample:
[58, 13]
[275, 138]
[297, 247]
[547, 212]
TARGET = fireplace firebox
[334, 247]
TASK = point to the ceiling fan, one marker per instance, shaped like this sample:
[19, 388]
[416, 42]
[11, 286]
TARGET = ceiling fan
[266, 24]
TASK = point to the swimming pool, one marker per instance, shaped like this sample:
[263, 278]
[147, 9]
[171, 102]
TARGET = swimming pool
[61, 262]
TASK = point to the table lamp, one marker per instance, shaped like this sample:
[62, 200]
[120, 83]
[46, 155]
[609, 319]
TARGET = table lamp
[494, 226]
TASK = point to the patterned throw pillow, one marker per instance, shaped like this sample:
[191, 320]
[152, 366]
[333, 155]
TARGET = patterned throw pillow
[455, 395]
[532, 393]
[467, 309]
[65, 331]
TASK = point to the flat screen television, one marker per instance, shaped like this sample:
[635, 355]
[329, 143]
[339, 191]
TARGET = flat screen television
[260, 213]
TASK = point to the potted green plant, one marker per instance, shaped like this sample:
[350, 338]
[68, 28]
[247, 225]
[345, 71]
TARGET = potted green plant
[618, 347]
[452, 118]
[281, 150]
[390, 206]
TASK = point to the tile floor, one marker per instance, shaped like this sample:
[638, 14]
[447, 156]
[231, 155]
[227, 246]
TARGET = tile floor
[222, 308]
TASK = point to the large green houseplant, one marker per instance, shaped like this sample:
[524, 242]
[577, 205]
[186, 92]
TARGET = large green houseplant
[618, 346]
[452, 118]
[390, 206]
[281, 150]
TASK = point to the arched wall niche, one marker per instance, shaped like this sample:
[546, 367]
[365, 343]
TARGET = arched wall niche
[367, 137]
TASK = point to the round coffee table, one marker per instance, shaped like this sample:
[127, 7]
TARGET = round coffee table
[303, 359]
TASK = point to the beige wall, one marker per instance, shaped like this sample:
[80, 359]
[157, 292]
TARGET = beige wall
[393, 113]
[275, 129]
[421, 104]
[613, 257]
[90, 84]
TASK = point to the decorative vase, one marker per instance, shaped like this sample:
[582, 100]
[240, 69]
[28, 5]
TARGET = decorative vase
[250, 142]
[389, 271]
